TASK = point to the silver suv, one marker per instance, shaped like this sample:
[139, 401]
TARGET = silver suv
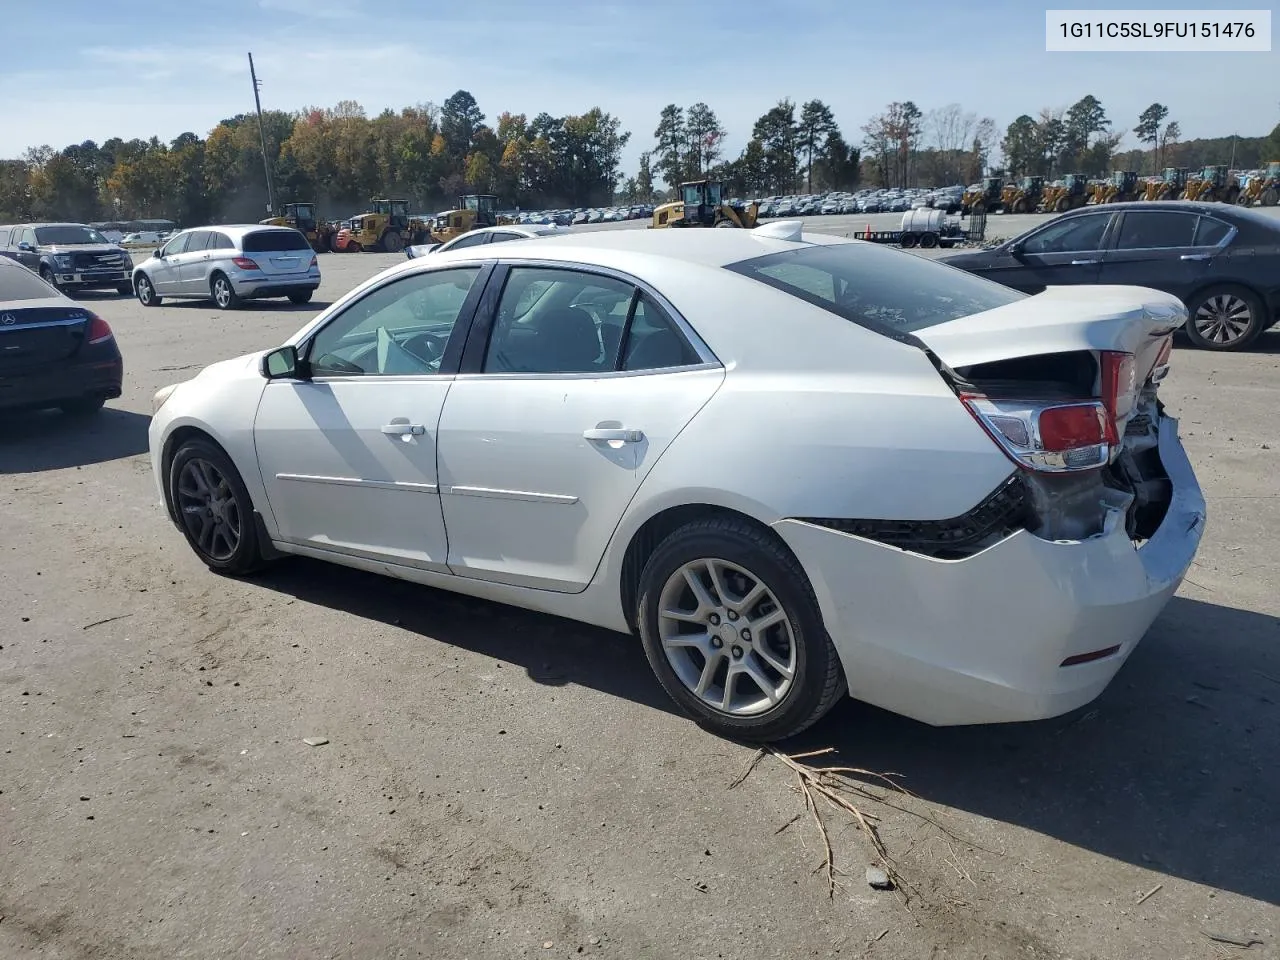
[228, 265]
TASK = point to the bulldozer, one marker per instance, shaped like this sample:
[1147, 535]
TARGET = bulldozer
[1068, 194]
[1168, 187]
[473, 211]
[1121, 188]
[1023, 196]
[1212, 184]
[302, 217]
[702, 204]
[1263, 189]
[387, 226]
[985, 198]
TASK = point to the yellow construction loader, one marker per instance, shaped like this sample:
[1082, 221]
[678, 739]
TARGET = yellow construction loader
[1022, 196]
[1212, 184]
[1067, 194]
[387, 226]
[1169, 186]
[473, 212]
[702, 204]
[977, 199]
[1263, 189]
[1121, 188]
[302, 217]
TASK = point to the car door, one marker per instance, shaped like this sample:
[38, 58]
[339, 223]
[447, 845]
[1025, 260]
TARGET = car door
[28, 253]
[193, 265]
[348, 456]
[1169, 250]
[1065, 251]
[573, 384]
[164, 273]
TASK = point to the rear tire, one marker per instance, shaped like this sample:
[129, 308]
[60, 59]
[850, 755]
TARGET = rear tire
[1225, 318]
[223, 293]
[300, 298]
[214, 510]
[1270, 197]
[791, 655]
[928, 240]
[908, 240]
[146, 291]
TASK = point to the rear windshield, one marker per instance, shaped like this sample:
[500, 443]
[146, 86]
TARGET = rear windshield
[886, 290]
[19, 283]
[268, 241]
[68, 233]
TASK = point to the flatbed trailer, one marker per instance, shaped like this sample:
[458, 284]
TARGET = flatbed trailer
[933, 229]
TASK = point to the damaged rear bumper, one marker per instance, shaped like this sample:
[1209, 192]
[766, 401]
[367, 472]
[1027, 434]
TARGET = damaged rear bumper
[990, 638]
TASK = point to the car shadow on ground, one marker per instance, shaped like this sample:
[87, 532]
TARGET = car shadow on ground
[1172, 769]
[552, 651]
[275, 306]
[33, 441]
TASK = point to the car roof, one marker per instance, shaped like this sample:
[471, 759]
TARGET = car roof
[712, 248]
[52, 223]
[237, 229]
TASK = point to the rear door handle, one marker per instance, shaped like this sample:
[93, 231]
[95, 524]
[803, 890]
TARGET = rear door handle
[403, 428]
[1083, 263]
[625, 436]
[1196, 256]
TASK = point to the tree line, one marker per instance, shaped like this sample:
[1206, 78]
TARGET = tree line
[340, 157]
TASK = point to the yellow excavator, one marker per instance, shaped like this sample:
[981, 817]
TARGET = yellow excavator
[302, 217]
[702, 204]
[387, 226]
[1068, 194]
[1168, 187]
[473, 212]
[1212, 184]
[1121, 188]
[1022, 196]
[986, 197]
[1264, 189]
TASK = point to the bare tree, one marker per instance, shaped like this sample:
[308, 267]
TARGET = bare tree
[950, 132]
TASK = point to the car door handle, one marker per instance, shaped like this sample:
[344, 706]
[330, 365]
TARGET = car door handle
[1083, 263]
[397, 429]
[1196, 256]
[625, 436]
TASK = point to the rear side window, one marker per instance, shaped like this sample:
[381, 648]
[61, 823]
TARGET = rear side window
[268, 241]
[4, 236]
[1156, 230]
[199, 241]
[19, 283]
[1211, 232]
[884, 290]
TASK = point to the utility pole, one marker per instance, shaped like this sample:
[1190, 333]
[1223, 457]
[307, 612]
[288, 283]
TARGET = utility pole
[262, 132]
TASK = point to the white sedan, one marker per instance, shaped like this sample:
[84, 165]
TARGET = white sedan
[793, 465]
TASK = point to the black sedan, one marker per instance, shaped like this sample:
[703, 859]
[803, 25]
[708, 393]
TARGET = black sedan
[1222, 261]
[53, 351]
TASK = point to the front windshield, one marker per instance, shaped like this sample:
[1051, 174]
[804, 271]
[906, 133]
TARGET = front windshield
[68, 233]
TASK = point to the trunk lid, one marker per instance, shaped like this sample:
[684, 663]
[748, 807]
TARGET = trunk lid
[1132, 320]
[40, 332]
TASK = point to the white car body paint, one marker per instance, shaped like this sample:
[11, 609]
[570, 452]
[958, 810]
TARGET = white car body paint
[803, 415]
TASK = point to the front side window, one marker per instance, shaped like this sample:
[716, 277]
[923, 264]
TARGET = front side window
[398, 329]
[1072, 235]
[470, 240]
[1156, 229]
[884, 290]
[175, 246]
[199, 240]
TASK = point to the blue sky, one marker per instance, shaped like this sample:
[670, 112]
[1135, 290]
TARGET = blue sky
[94, 70]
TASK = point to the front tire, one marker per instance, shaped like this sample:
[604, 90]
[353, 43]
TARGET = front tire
[213, 509]
[47, 276]
[125, 289]
[392, 242]
[223, 293]
[146, 291]
[1225, 318]
[731, 628]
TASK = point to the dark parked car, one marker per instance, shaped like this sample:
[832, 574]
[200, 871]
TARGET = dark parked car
[1222, 261]
[53, 351]
[71, 256]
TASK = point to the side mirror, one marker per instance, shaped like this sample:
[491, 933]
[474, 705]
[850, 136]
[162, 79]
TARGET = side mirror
[25, 247]
[1013, 248]
[283, 363]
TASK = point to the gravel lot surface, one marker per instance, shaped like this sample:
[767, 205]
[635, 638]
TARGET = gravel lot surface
[503, 784]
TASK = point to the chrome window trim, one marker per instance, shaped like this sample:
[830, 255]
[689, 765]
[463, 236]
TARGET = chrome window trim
[1232, 232]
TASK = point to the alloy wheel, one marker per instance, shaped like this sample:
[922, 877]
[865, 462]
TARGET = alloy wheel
[222, 292]
[208, 508]
[1224, 318]
[727, 637]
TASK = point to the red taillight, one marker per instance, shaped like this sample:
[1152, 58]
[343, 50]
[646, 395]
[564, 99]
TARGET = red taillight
[314, 263]
[99, 331]
[1067, 428]
[244, 263]
[1119, 390]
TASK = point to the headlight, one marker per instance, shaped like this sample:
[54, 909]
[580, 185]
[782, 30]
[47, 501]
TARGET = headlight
[128, 261]
[163, 394]
[63, 260]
